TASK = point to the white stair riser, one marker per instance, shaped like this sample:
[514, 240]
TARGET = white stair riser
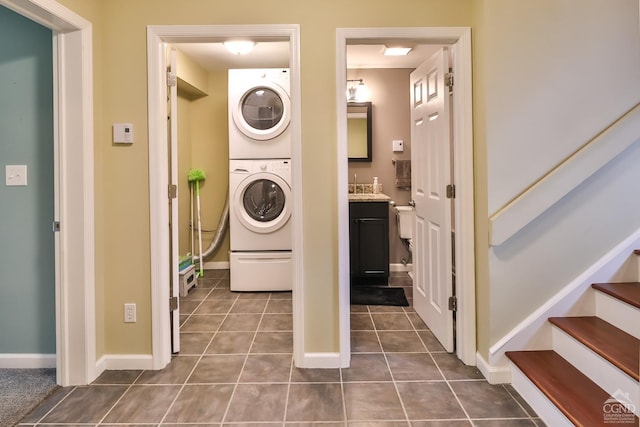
[599, 370]
[620, 314]
[544, 408]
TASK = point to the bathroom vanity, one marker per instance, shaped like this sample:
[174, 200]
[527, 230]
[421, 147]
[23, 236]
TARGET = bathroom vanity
[369, 238]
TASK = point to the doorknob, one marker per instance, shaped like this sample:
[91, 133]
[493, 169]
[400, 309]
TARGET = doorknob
[412, 203]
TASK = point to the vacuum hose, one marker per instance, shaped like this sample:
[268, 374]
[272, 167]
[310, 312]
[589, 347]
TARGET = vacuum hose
[219, 236]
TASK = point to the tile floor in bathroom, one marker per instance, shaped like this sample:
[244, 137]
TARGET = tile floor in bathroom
[235, 369]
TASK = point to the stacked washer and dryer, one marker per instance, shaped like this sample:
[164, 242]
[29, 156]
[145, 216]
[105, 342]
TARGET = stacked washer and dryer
[260, 199]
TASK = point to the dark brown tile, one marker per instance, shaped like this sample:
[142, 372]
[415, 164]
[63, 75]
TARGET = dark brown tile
[214, 306]
[367, 367]
[454, 369]
[365, 342]
[190, 406]
[254, 295]
[258, 403]
[378, 424]
[276, 322]
[196, 294]
[202, 323]
[52, 400]
[315, 402]
[386, 309]
[273, 342]
[483, 400]
[231, 343]
[240, 322]
[315, 375]
[249, 306]
[222, 293]
[118, 377]
[447, 423]
[175, 372]
[279, 306]
[130, 409]
[217, 369]
[429, 400]
[272, 368]
[416, 321]
[372, 401]
[194, 342]
[361, 322]
[413, 367]
[391, 322]
[401, 341]
[512, 422]
[512, 391]
[432, 343]
[188, 307]
[359, 309]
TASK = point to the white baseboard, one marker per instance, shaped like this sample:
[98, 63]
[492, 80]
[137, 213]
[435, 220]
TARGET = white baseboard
[216, 265]
[120, 362]
[400, 267]
[319, 361]
[27, 361]
[493, 374]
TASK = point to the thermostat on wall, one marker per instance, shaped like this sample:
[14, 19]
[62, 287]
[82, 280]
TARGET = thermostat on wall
[123, 133]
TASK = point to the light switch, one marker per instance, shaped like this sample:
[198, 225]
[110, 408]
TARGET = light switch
[398, 145]
[123, 133]
[15, 175]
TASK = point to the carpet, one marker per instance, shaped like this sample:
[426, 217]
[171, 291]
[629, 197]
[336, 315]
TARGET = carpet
[21, 390]
[378, 295]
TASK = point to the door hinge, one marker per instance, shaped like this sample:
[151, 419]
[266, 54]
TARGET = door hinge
[171, 79]
[448, 79]
[56, 226]
[453, 304]
[451, 191]
[173, 303]
[173, 191]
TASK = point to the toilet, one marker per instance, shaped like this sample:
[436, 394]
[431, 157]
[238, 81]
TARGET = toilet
[405, 216]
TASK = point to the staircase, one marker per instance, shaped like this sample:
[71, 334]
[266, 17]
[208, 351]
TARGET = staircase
[590, 377]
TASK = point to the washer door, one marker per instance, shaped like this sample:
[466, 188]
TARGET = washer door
[261, 202]
[263, 112]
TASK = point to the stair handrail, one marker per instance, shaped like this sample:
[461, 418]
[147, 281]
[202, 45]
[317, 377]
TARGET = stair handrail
[565, 177]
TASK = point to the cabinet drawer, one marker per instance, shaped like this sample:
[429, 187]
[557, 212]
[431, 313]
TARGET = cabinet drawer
[369, 209]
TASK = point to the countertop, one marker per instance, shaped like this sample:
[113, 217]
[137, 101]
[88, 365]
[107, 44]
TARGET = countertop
[369, 197]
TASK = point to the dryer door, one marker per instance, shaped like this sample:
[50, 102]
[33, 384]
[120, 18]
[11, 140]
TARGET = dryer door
[263, 112]
[262, 202]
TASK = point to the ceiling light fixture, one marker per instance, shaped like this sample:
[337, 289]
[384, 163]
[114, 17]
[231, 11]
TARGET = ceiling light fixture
[239, 47]
[396, 51]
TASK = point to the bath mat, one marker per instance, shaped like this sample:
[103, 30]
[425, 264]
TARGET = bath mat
[378, 295]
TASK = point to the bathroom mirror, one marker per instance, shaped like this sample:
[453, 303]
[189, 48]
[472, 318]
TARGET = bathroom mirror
[359, 131]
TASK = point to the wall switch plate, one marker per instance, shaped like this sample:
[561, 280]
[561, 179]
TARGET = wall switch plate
[129, 313]
[15, 175]
[398, 145]
[123, 133]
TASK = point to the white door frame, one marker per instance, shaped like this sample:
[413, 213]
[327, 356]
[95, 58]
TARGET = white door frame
[459, 38]
[73, 185]
[157, 36]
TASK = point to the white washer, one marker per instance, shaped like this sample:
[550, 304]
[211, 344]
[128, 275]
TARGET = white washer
[260, 224]
[259, 113]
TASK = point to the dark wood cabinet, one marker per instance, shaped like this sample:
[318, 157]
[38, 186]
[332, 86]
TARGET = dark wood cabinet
[369, 242]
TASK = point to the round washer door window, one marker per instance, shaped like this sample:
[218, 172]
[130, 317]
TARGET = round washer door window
[263, 203]
[263, 112]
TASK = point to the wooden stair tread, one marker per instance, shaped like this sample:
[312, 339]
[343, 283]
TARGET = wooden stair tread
[575, 395]
[628, 292]
[614, 345]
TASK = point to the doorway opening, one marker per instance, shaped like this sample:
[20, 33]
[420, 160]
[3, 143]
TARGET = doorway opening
[459, 42]
[158, 38]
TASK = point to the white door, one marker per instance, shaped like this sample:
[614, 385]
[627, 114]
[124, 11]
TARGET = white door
[174, 292]
[431, 173]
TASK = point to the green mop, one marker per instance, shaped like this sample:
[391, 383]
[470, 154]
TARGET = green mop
[197, 175]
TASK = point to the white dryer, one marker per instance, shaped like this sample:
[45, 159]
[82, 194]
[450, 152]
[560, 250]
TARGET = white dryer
[259, 113]
[260, 224]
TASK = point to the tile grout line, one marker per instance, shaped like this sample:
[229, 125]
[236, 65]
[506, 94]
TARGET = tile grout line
[119, 399]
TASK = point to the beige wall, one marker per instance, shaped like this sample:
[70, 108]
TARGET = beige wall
[389, 95]
[122, 197]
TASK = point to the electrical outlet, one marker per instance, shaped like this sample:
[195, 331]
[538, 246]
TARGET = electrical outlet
[129, 313]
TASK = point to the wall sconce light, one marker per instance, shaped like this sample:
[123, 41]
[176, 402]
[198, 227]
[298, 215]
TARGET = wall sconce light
[356, 91]
[239, 47]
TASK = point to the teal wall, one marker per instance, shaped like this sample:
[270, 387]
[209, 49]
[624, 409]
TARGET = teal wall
[27, 286]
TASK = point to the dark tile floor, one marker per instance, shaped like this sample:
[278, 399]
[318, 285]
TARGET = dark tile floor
[235, 368]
